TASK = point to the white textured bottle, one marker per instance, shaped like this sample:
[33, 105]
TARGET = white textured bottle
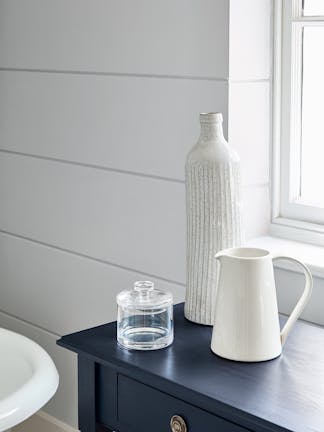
[213, 214]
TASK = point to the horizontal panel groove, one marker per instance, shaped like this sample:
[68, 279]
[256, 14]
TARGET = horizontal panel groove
[250, 80]
[116, 74]
[137, 75]
[116, 170]
[92, 258]
[94, 166]
[29, 323]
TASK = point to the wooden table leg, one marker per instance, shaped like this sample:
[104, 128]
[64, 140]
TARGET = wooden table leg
[86, 394]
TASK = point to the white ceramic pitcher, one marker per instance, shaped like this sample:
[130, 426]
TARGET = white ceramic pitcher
[246, 322]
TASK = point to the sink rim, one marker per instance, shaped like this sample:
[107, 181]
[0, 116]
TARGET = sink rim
[37, 389]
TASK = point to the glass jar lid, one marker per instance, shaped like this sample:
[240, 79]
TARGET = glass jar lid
[144, 296]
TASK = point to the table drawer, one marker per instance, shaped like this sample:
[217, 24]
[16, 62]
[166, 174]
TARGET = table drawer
[144, 409]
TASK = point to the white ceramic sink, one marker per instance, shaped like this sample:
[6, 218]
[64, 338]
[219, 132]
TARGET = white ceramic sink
[28, 378]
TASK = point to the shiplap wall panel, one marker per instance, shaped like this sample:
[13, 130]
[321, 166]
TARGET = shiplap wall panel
[170, 37]
[64, 403]
[290, 286]
[60, 291]
[136, 124]
[133, 221]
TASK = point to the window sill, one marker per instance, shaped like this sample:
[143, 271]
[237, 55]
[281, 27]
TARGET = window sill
[311, 255]
[297, 231]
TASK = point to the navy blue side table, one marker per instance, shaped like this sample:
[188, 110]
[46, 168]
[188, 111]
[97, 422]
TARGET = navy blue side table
[141, 391]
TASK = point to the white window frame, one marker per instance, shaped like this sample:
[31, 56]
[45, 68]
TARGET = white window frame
[290, 219]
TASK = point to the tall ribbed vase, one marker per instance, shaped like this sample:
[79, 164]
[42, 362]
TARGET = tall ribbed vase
[213, 214]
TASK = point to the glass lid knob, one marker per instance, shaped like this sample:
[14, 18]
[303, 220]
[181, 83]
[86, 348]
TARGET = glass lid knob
[143, 287]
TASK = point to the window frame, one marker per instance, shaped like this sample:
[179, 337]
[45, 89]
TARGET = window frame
[290, 219]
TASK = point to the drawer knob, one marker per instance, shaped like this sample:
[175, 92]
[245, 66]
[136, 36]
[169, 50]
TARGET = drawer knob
[177, 424]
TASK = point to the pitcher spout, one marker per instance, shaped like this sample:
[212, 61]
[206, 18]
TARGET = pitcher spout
[243, 253]
[221, 254]
[218, 255]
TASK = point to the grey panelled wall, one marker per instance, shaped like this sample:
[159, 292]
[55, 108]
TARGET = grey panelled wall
[290, 286]
[99, 103]
[116, 36]
[137, 124]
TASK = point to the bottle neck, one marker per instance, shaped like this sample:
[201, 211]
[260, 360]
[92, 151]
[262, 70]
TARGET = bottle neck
[210, 131]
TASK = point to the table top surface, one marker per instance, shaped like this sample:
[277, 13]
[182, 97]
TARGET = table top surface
[287, 392]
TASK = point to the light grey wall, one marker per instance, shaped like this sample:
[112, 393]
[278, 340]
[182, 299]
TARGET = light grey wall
[99, 103]
[290, 286]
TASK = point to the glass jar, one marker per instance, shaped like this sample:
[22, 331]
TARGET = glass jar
[145, 317]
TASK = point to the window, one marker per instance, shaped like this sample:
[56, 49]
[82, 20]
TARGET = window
[298, 156]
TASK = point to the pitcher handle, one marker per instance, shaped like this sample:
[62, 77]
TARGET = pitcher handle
[301, 302]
